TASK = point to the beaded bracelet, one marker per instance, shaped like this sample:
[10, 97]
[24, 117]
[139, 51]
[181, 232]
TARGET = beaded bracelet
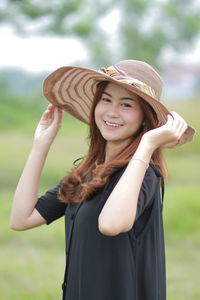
[146, 164]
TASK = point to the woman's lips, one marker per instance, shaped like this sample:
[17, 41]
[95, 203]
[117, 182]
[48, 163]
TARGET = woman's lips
[112, 124]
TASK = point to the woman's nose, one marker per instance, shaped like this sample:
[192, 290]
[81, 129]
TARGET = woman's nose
[113, 111]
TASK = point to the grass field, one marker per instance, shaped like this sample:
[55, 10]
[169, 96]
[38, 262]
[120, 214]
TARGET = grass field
[32, 262]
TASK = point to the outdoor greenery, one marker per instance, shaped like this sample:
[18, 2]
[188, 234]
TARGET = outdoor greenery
[32, 261]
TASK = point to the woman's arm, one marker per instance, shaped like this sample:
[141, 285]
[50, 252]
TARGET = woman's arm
[23, 213]
[119, 211]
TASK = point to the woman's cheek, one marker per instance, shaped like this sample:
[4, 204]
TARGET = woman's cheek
[97, 114]
[98, 110]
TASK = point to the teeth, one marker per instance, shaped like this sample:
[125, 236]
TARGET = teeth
[111, 124]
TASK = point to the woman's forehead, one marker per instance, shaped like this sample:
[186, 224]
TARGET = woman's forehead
[113, 88]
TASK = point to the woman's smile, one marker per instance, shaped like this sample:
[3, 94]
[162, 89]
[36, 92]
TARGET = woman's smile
[112, 125]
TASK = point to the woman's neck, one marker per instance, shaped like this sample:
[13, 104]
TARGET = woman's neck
[112, 149]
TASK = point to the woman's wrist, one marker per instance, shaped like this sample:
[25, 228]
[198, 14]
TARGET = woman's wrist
[41, 147]
[144, 152]
[145, 147]
[145, 163]
[149, 141]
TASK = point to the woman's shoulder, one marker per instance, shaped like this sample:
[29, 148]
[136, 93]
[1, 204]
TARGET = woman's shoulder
[152, 175]
[152, 170]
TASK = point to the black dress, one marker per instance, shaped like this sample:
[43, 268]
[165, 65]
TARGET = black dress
[129, 266]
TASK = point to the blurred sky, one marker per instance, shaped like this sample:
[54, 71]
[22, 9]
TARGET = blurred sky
[38, 54]
[46, 53]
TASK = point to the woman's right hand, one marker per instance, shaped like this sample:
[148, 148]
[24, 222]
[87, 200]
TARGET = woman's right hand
[48, 126]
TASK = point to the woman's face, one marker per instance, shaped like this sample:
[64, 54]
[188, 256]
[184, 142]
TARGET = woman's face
[118, 114]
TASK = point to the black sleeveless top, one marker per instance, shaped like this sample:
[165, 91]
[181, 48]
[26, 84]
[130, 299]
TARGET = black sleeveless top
[129, 266]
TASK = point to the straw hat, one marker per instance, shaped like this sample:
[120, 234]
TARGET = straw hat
[73, 89]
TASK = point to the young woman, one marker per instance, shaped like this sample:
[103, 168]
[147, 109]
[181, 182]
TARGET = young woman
[111, 200]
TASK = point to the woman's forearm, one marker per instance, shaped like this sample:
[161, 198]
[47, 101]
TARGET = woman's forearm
[119, 211]
[23, 213]
[26, 193]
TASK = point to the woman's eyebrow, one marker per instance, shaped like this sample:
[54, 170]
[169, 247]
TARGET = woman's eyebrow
[128, 98]
[123, 98]
[107, 94]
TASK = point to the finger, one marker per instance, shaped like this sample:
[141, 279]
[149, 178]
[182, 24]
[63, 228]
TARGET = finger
[49, 107]
[176, 118]
[179, 124]
[48, 113]
[169, 122]
[174, 114]
[46, 116]
[182, 129]
[58, 116]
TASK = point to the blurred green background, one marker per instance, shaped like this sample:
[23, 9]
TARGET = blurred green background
[32, 262]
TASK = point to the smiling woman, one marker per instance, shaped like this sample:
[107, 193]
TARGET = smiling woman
[111, 200]
[118, 116]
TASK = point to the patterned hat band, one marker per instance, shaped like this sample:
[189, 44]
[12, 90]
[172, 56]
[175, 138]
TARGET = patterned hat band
[121, 76]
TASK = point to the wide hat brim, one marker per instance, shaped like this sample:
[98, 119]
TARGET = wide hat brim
[73, 88]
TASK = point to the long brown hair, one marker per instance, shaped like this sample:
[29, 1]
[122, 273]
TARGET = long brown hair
[92, 173]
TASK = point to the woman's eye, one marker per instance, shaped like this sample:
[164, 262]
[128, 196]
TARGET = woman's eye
[105, 99]
[126, 105]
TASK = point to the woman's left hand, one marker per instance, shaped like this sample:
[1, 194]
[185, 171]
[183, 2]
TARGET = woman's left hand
[168, 135]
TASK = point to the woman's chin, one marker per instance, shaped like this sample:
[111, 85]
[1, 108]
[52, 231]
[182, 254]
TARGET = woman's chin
[117, 141]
